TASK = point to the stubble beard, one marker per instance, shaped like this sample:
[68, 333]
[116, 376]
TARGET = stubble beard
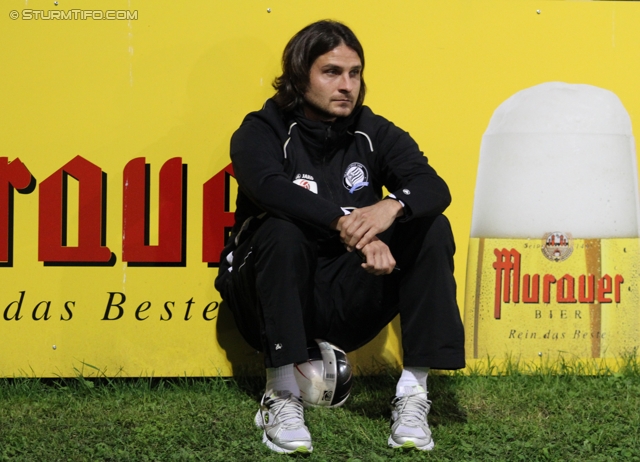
[325, 113]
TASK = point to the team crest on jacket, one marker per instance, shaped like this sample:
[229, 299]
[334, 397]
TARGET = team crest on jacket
[355, 177]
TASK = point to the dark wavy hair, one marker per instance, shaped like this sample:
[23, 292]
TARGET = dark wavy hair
[301, 52]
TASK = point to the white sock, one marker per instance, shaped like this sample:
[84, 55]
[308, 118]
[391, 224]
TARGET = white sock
[281, 379]
[410, 378]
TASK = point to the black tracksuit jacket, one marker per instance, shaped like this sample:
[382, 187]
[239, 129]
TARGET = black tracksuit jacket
[314, 172]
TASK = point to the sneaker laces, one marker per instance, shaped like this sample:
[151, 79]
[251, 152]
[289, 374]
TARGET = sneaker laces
[412, 409]
[288, 411]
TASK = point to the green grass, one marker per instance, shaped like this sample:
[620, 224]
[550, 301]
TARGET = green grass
[520, 412]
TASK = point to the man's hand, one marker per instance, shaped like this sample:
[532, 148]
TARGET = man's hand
[378, 258]
[360, 227]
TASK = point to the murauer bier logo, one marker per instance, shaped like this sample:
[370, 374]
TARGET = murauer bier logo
[557, 246]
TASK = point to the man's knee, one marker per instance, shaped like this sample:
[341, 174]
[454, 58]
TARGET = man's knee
[440, 233]
[427, 239]
[428, 232]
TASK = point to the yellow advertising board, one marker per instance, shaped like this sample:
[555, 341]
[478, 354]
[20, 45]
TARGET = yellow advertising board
[116, 191]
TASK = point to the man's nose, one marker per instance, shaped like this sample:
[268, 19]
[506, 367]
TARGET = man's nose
[346, 84]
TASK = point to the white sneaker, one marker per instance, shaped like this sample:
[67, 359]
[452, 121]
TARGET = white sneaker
[409, 427]
[282, 419]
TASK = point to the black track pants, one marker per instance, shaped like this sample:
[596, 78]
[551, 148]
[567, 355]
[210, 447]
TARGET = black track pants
[284, 292]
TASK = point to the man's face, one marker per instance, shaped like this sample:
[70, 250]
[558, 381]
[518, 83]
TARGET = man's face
[334, 84]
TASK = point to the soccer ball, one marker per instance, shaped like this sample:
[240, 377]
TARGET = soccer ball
[325, 379]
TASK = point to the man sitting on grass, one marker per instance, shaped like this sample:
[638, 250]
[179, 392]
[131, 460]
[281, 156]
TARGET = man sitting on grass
[317, 252]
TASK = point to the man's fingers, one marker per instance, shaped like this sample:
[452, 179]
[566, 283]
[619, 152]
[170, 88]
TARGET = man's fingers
[379, 259]
[373, 271]
[377, 270]
[358, 229]
[375, 267]
[358, 235]
[353, 234]
[365, 239]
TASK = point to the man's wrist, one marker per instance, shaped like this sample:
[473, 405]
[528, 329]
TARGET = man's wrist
[400, 205]
[336, 224]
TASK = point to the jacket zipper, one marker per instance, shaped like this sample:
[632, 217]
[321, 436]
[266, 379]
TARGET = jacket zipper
[324, 158]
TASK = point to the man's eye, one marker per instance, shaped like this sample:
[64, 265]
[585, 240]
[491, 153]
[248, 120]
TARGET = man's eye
[332, 71]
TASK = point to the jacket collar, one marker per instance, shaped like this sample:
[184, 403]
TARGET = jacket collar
[326, 134]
